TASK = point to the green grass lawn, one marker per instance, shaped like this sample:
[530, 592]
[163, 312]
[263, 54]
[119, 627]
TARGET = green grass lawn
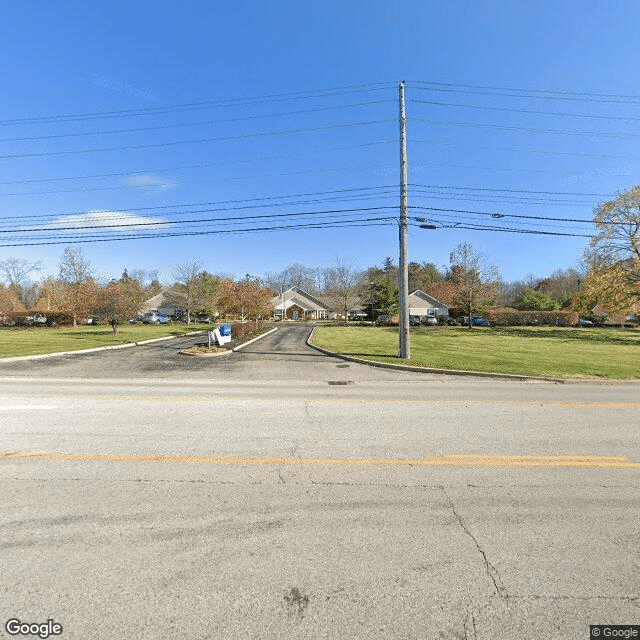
[36, 340]
[540, 351]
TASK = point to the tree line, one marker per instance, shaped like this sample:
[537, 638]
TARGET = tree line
[609, 275]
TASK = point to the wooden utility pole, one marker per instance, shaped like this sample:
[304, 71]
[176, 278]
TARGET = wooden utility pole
[405, 350]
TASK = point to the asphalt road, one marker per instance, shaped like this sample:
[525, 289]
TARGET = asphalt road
[161, 496]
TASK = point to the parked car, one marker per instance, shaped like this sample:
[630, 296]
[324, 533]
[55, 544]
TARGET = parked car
[204, 318]
[414, 321]
[430, 321]
[383, 320]
[480, 321]
[451, 322]
[156, 318]
[584, 322]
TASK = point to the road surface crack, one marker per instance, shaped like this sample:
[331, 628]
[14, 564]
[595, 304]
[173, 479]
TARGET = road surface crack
[490, 569]
[469, 623]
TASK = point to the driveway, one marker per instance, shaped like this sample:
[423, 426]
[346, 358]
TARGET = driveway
[282, 355]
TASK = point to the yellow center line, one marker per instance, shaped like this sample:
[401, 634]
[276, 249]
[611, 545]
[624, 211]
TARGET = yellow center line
[431, 460]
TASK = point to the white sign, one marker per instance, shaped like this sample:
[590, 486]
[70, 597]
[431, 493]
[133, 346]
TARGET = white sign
[220, 339]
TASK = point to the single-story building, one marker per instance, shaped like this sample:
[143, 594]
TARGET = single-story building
[161, 303]
[297, 304]
[423, 305]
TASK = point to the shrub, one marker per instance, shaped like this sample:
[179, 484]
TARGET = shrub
[240, 329]
[533, 318]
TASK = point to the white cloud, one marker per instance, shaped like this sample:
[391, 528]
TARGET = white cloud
[110, 220]
[149, 183]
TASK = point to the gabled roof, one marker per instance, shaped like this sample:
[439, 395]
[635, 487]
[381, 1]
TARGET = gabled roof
[294, 293]
[434, 302]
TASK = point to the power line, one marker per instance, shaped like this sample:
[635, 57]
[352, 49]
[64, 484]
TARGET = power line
[263, 201]
[503, 215]
[193, 124]
[209, 104]
[570, 154]
[155, 223]
[527, 111]
[542, 94]
[197, 141]
[503, 190]
[568, 132]
[479, 227]
[338, 224]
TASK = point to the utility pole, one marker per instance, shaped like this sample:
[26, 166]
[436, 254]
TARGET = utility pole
[405, 350]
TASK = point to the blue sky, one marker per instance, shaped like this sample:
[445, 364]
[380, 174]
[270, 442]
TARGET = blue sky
[511, 111]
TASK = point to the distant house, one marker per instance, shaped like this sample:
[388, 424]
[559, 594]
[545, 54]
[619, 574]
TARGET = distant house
[296, 304]
[162, 303]
[423, 305]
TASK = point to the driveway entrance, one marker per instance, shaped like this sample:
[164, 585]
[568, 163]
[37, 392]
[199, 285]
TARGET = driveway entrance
[282, 355]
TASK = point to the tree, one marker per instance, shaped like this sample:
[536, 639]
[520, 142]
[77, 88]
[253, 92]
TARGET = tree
[476, 279]
[540, 301]
[613, 256]
[246, 299]
[119, 300]
[148, 280]
[187, 292]
[342, 286]
[15, 273]
[75, 273]
[296, 275]
[421, 275]
[385, 296]
[9, 303]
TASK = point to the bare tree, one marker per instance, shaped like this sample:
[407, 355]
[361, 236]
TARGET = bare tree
[342, 286]
[187, 290]
[75, 272]
[296, 275]
[73, 268]
[476, 279]
[15, 272]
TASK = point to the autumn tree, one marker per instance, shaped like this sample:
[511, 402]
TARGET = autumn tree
[9, 302]
[613, 256]
[119, 300]
[245, 299]
[475, 278]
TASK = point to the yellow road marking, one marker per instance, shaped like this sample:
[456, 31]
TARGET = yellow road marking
[431, 460]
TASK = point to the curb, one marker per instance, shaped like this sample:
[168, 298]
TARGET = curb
[451, 372]
[241, 346]
[224, 353]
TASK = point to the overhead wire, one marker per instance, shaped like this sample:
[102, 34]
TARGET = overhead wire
[541, 94]
[193, 124]
[156, 145]
[208, 104]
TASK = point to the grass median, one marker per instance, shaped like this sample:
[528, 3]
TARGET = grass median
[39, 340]
[540, 351]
